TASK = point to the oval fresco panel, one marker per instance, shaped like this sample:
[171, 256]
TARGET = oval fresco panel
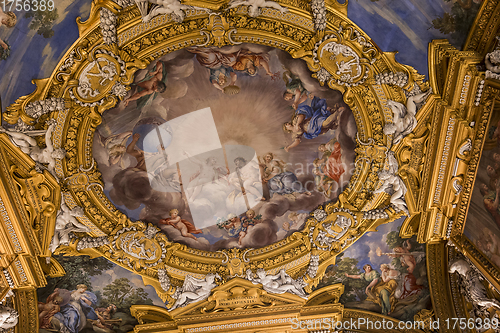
[225, 148]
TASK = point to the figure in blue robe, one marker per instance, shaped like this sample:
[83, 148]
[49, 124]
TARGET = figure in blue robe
[77, 308]
[316, 111]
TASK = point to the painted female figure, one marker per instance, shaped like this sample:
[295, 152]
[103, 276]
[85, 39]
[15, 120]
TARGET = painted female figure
[380, 290]
[77, 308]
[278, 179]
[310, 121]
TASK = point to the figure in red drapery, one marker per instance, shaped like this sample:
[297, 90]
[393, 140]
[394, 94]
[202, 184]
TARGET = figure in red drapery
[185, 227]
[333, 167]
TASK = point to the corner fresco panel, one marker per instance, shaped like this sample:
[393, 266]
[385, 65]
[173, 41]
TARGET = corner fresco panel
[383, 273]
[95, 295]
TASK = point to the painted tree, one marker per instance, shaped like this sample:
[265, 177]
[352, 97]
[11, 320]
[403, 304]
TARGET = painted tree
[123, 294]
[78, 270]
[458, 21]
[43, 21]
[353, 288]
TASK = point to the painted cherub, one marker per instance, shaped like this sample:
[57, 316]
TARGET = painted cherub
[235, 228]
[250, 219]
[185, 227]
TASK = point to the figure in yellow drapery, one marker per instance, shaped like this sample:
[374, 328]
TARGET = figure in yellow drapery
[381, 288]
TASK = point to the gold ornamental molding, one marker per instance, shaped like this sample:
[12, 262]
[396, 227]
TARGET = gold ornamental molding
[429, 166]
[455, 128]
[95, 74]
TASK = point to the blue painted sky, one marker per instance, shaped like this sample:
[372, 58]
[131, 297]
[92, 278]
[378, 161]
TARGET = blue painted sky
[401, 25]
[395, 25]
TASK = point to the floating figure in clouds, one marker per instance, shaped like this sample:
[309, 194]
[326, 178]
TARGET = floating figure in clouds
[115, 147]
[148, 88]
[278, 180]
[162, 177]
[9, 20]
[185, 227]
[209, 172]
[251, 219]
[137, 153]
[407, 258]
[294, 89]
[248, 62]
[234, 227]
[246, 179]
[333, 160]
[222, 75]
[310, 121]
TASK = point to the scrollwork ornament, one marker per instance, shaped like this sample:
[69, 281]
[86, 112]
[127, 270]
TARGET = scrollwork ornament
[347, 66]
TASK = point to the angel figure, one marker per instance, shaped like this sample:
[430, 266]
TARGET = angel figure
[115, 147]
[404, 120]
[209, 171]
[279, 283]
[254, 6]
[403, 252]
[174, 7]
[222, 75]
[29, 146]
[185, 227]
[392, 183]
[66, 223]
[234, 227]
[194, 290]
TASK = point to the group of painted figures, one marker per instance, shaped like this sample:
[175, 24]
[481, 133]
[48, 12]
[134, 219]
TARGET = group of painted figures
[72, 311]
[311, 117]
[391, 287]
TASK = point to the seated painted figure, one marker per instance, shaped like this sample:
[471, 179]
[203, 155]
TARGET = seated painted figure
[76, 308]
[280, 181]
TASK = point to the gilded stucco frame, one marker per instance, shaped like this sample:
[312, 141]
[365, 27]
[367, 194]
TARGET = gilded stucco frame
[302, 34]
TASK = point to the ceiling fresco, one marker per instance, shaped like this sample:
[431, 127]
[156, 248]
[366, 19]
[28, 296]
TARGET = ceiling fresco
[225, 153]
[186, 164]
